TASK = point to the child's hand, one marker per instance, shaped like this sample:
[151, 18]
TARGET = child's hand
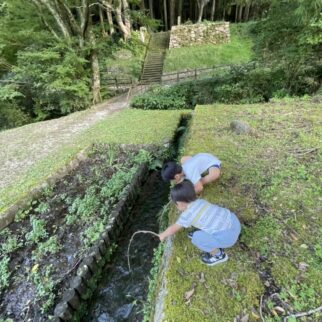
[162, 237]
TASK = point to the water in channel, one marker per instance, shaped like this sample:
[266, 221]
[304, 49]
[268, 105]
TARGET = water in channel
[121, 294]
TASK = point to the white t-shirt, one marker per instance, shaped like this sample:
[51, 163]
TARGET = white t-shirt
[198, 164]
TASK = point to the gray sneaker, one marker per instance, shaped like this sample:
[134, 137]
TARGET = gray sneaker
[212, 260]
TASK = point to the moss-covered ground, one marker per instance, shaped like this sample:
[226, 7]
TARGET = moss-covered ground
[237, 51]
[128, 127]
[271, 178]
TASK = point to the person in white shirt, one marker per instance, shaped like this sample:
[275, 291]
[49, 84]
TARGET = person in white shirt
[192, 168]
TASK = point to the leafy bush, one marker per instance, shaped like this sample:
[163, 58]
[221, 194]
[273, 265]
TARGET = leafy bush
[38, 231]
[47, 82]
[4, 272]
[159, 98]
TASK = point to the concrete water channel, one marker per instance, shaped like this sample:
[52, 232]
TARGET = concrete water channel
[122, 293]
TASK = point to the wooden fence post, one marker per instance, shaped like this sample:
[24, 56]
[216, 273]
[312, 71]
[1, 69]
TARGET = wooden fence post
[195, 73]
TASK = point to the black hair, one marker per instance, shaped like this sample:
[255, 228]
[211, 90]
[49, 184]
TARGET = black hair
[169, 170]
[183, 191]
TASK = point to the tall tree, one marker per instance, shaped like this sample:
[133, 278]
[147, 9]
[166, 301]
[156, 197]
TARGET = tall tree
[172, 12]
[74, 25]
[213, 8]
[201, 5]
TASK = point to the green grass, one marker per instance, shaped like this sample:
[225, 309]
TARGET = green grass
[236, 52]
[271, 179]
[128, 127]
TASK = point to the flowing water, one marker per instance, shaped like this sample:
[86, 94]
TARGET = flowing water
[121, 294]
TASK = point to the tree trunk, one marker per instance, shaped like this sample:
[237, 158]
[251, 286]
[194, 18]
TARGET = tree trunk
[172, 12]
[110, 21]
[54, 12]
[180, 10]
[246, 13]
[165, 10]
[240, 13]
[151, 9]
[96, 78]
[224, 10]
[104, 33]
[213, 8]
[236, 13]
[126, 16]
[119, 20]
[201, 7]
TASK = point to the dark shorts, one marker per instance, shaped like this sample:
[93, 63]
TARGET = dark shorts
[214, 166]
[207, 171]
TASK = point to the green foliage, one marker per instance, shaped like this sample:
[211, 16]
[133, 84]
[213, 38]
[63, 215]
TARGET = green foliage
[92, 233]
[10, 242]
[159, 98]
[44, 287]
[153, 283]
[290, 44]
[50, 246]
[38, 231]
[263, 236]
[86, 206]
[4, 272]
[55, 80]
[122, 58]
[238, 84]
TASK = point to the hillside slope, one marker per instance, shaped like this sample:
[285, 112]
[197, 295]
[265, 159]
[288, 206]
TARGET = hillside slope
[271, 178]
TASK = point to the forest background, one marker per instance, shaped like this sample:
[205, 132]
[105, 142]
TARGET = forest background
[55, 54]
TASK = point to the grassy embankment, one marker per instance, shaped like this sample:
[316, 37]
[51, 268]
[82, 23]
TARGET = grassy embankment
[271, 178]
[238, 51]
[128, 127]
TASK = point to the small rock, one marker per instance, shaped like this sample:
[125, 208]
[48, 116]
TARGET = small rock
[240, 127]
[303, 266]
[105, 318]
[245, 318]
[124, 311]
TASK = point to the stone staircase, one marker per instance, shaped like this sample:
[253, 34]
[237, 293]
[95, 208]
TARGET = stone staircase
[153, 64]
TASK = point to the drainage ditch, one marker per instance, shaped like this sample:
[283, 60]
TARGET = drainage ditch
[121, 294]
[57, 249]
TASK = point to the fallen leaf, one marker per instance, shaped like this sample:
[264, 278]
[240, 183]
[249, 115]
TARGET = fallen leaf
[35, 268]
[245, 318]
[274, 312]
[181, 272]
[255, 315]
[178, 259]
[304, 246]
[303, 266]
[267, 283]
[202, 277]
[188, 294]
[279, 309]
[294, 237]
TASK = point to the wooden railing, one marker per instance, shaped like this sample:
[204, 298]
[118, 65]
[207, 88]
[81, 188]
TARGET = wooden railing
[125, 82]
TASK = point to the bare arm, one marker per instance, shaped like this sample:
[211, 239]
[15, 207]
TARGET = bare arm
[169, 231]
[198, 187]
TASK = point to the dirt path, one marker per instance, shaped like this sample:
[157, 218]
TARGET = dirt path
[22, 147]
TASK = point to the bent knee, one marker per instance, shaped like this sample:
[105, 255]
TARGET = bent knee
[214, 173]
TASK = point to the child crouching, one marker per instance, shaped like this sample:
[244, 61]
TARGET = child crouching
[218, 228]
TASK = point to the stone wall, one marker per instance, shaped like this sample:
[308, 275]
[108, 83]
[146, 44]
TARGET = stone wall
[198, 34]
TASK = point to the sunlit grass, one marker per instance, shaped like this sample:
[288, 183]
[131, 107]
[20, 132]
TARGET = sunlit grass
[239, 50]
